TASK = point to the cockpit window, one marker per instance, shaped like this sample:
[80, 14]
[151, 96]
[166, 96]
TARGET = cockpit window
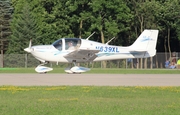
[72, 43]
[67, 44]
[58, 44]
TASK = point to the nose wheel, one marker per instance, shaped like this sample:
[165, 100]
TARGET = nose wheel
[42, 69]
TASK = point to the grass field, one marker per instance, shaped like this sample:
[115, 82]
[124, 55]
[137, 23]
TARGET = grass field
[89, 100]
[98, 71]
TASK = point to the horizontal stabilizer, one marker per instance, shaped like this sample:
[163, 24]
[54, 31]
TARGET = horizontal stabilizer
[138, 50]
[138, 53]
[143, 54]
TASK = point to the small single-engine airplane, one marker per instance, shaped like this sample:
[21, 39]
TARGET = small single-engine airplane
[76, 50]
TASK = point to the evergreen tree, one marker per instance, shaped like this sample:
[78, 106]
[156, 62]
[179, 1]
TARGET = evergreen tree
[5, 18]
[24, 28]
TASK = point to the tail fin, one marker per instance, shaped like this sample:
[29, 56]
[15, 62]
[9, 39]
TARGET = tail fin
[146, 42]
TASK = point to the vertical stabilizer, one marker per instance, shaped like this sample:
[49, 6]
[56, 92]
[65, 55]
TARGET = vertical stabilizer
[146, 42]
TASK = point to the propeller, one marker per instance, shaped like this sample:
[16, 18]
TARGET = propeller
[29, 48]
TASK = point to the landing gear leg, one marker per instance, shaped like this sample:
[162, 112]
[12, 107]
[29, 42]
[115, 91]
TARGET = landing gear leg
[43, 69]
[76, 69]
[68, 69]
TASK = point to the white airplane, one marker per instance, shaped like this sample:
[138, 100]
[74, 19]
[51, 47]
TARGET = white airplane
[76, 50]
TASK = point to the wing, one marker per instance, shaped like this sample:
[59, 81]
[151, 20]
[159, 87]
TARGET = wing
[83, 54]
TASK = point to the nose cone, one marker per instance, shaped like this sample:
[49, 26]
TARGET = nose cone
[27, 50]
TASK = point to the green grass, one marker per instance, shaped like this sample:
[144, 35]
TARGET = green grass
[89, 100]
[134, 71]
[98, 71]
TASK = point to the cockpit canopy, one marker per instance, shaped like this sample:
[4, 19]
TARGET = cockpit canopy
[67, 44]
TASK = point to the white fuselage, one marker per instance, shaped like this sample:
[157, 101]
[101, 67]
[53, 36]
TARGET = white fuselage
[72, 50]
[107, 52]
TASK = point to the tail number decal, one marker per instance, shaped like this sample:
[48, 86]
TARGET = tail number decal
[107, 49]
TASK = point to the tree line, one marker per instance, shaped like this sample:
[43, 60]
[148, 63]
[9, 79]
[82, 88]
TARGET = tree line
[45, 21]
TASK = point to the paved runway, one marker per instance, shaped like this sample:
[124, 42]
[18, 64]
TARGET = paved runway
[90, 79]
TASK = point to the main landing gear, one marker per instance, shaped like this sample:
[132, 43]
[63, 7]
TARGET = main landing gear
[71, 70]
[76, 69]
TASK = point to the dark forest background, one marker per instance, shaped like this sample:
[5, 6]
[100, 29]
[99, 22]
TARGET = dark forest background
[45, 21]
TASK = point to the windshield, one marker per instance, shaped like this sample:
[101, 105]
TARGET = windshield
[67, 44]
[58, 44]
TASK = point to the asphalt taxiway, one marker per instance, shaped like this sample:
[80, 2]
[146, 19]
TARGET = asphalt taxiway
[90, 79]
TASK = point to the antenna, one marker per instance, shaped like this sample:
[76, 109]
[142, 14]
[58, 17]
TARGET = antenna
[90, 35]
[110, 40]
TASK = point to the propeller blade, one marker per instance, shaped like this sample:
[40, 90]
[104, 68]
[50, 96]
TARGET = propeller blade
[30, 43]
[29, 48]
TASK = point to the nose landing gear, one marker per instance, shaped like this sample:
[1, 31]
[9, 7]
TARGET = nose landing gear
[43, 69]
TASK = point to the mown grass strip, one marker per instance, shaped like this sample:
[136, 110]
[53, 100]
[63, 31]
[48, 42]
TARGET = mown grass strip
[98, 71]
[89, 100]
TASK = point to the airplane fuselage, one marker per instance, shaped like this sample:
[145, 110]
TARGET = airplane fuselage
[106, 52]
[72, 50]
